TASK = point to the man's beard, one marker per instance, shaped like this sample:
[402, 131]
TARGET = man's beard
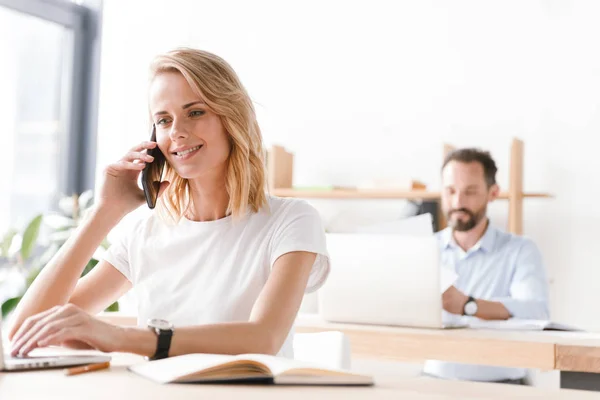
[464, 226]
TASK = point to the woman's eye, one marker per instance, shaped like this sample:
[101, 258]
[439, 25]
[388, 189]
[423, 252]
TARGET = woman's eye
[161, 121]
[196, 113]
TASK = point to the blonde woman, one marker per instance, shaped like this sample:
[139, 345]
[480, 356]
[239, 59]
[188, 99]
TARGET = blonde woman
[218, 267]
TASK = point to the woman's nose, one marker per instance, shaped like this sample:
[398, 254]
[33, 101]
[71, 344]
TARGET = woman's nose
[178, 131]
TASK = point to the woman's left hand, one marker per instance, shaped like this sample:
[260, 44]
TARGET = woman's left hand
[67, 326]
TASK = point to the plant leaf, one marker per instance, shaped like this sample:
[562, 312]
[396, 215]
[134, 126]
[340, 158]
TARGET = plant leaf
[10, 305]
[113, 307]
[66, 205]
[7, 241]
[90, 265]
[105, 244]
[15, 246]
[30, 237]
[86, 199]
[61, 236]
[49, 253]
[32, 275]
[58, 222]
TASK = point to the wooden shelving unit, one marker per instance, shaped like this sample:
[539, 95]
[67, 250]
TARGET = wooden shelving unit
[280, 173]
[376, 194]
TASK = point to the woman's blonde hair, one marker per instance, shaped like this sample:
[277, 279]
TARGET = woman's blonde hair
[218, 85]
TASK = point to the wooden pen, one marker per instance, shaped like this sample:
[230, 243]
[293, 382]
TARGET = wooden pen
[86, 368]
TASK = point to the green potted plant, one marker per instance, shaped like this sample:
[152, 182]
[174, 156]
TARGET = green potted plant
[24, 254]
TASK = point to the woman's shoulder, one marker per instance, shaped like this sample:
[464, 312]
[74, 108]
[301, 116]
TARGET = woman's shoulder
[281, 207]
[286, 213]
[138, 226]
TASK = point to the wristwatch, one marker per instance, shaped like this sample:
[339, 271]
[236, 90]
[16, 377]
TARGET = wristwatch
[470, 307]
[164, 331]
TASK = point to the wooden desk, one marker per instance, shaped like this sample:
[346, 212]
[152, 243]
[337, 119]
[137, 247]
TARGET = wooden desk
[575, 354]
[118, 383]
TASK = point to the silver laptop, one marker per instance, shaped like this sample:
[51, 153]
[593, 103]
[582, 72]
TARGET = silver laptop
[384, 279]
[8, 363]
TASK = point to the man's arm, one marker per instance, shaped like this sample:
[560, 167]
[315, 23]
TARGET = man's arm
[528, 292]
[529, 287]
[454, 300]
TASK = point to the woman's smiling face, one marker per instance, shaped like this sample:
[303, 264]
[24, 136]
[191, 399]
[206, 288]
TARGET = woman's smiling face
[190, 135]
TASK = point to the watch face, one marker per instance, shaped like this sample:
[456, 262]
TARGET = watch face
[471, 308]
[160, 324]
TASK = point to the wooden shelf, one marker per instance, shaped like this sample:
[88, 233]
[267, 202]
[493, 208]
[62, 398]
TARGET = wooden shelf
[505, 196]
[280, 168]
[376, 194]
[357, 194]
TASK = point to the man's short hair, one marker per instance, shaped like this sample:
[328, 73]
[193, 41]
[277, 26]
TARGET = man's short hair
[469, 155]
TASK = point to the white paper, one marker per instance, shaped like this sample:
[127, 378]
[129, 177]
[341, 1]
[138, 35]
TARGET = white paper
[419, 225]
[447, 278]
[170, 369]
[517, 324]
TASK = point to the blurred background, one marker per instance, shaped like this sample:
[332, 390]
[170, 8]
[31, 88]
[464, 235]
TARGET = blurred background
[359, 91]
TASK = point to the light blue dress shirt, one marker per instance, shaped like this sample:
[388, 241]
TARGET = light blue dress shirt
[501, 267]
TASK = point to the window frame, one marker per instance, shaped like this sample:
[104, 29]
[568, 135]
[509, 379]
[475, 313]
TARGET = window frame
[77, 171]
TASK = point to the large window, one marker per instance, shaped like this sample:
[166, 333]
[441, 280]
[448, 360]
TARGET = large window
[47, 99]
[33, 77]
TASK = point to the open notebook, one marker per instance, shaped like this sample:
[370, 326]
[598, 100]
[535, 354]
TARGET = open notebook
[521, 325]
[257, 368]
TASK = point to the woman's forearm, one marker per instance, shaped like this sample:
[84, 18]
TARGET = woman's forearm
[223, 338]
[57, 280]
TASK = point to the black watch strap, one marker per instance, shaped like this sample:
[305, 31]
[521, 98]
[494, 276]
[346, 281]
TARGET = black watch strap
[470, 299]
[163, 343]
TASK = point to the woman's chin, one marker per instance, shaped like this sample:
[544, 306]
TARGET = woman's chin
[191, 172]
[188, 173]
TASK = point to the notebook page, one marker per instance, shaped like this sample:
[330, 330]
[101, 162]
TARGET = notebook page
[169, 369]
[279, 365]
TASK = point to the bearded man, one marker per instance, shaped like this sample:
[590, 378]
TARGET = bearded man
[500, 275]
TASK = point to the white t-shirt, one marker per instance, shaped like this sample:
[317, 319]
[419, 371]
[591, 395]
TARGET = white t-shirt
[197, 273]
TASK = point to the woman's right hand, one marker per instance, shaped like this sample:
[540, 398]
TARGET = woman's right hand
[120, 191]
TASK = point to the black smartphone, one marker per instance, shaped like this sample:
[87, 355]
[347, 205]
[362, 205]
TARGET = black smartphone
[152, 173]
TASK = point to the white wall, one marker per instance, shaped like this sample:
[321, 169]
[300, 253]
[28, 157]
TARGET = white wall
[374, 88]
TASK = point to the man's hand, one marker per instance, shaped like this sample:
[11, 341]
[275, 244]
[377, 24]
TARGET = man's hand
[453, 300]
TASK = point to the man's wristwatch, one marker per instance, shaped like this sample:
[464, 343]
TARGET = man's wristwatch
[470, 307]
[164, 331]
